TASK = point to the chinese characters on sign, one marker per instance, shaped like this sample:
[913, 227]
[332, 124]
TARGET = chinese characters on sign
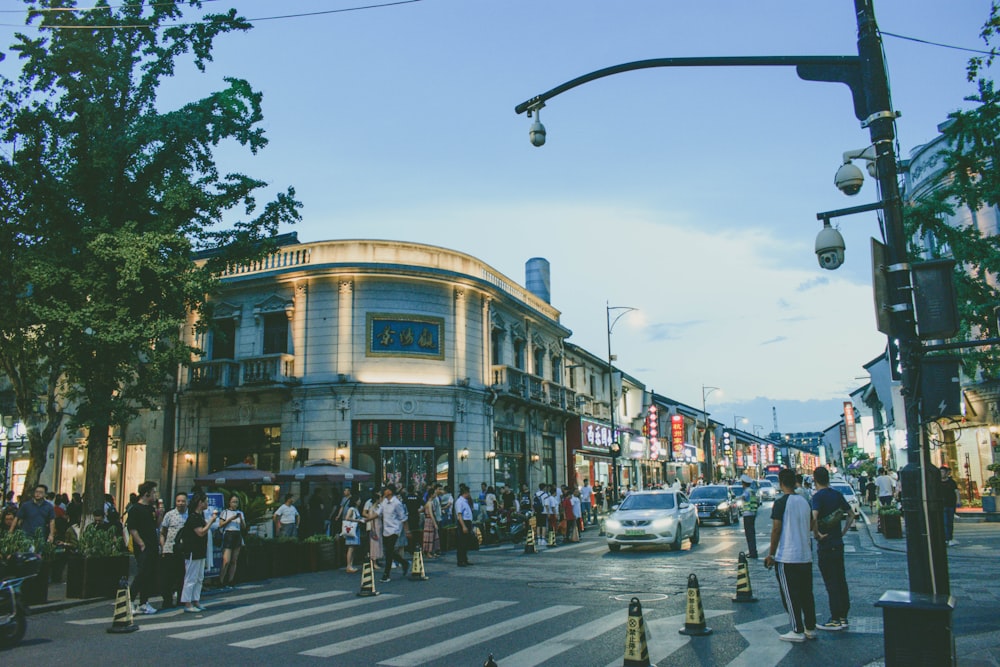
[852, 433]
[405, 336]
[596, 436]
[677, 436]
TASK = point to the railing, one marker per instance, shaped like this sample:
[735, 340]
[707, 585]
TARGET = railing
[215, 374]
[268, 369]
[508, 380]
[279, 260]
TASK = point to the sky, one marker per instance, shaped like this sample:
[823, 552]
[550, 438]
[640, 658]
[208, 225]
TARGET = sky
[688, 194]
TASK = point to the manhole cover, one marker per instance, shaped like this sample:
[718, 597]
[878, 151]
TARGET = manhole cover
[642, 597]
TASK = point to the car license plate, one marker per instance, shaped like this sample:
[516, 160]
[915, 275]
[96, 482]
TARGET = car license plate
[704, 514]
[635, 531]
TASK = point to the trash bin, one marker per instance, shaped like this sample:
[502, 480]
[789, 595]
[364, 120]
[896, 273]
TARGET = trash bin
[916, 629]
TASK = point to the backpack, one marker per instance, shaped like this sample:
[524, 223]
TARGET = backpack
[537, 506]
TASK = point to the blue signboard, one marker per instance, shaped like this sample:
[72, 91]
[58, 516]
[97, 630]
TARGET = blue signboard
[395, 335]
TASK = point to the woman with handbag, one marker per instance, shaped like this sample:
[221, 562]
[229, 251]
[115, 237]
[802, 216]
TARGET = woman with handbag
[373, 524]
[350, 530]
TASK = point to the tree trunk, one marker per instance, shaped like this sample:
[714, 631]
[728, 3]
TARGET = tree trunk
[37, 456]
[97, 465]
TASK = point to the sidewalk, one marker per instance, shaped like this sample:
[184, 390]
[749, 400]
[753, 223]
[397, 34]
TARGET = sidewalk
[899, 545]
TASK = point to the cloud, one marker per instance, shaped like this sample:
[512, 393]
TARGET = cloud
[812, 284]
[669, 330]
[784, 305]
[776, 339]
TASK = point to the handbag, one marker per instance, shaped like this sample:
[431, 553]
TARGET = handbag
[349, 529]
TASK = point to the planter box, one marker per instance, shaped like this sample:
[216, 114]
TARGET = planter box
[309, 557]
[95, 577]
[35, 590]
[57, 571]
[328, 555]
[255, 562]
[892, 526]
[448, 538]
[989, 503]
[287, 557]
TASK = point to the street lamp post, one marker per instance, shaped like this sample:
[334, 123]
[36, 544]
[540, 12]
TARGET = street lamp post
[706, 438]
[612, 400]
[865, 74]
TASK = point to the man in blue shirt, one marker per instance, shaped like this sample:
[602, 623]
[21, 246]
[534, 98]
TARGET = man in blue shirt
[37, 514]
[829, 508]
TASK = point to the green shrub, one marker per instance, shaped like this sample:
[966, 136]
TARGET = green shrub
[97, 542]
[318, 539]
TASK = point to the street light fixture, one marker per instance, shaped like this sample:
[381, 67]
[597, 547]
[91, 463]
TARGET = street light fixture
[612, 400]
[739, 418]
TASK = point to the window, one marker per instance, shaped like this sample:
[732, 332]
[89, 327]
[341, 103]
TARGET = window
[496, 340]
[519, 354]
[593, 384]
[257, 445]
[556, 369]
[224, 339]
[539, 360]
[275, 333]
[549, 459]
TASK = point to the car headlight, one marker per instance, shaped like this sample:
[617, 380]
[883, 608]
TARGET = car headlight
[723, 507]
[611, 524]
[660, 524]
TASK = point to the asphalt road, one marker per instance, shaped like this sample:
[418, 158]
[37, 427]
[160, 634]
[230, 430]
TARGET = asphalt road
[563, 606]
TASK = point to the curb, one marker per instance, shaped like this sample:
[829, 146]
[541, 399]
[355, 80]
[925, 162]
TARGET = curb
[59, 605]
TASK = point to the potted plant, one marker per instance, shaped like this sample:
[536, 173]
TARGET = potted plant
[891, 521]
[98, 565]
[286, 556]
[993, 484]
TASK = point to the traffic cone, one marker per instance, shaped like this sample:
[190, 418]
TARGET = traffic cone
[490, 662]
[694, 617]
[636, 651]
[601, 532]
[550, 541]
[529, 541]
[744, 591]
[367, 580]
[417, 573]
[122, 623]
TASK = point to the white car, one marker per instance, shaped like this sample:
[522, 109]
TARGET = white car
[849, 495]
[652, 517]
[766, 491]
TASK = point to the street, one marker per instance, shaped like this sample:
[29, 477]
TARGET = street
[565, 605]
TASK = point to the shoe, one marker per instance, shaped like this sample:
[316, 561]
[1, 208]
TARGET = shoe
[406, 567]
[351, 571]
[845, 623]
[752, 556]
[464, 564]
[200, 608]
[385, 580]
[833, 625]
[147, 609]
[792, 636]
[192, 610]
[810, 634]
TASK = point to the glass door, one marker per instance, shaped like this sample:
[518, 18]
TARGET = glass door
[403, 466]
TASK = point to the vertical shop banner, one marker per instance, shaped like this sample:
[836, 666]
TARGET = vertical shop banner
[851, 427]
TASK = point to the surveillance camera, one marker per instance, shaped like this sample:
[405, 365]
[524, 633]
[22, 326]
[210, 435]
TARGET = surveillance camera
[830, 248]
[537, 134]
[849, 179]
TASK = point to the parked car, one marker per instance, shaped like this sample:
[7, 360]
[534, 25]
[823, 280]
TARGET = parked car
[849, 495]
[767, 490]
[715, 502]
[652, 517]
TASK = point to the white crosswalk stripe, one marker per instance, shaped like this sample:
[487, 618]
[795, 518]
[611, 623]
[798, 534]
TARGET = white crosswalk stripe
[340, 623]
[423, 625]
[218, 627]
[538, 653]
[461, 642]
[715, 548]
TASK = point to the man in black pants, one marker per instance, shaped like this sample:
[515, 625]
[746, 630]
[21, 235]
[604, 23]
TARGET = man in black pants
[172, 564]
[145, 546]
[393, 515]
[829, 507]
[749, 515]
[790, 553]
[463, 514]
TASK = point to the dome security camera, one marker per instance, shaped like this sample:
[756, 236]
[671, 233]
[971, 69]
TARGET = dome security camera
[849, 179]
[830, 247]
[537, 133]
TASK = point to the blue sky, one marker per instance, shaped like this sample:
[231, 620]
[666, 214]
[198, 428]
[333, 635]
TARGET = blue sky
[688, 194]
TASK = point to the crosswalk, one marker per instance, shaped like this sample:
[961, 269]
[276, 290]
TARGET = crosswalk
[400, 628]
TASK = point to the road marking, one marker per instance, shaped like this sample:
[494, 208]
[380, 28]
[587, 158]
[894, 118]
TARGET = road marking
[462, 642]
[219, 625]
[432, 623]
[765, 648]
[715, 548]
[596, 550]
[849, 548]
[538, 653]
[563, 547]
[357, 619]
[235, 598]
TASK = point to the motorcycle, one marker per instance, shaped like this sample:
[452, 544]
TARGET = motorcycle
[513, 526]
[13, 612]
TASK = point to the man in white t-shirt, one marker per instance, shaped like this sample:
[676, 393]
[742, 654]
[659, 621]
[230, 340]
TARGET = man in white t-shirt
[885, 486]
[286, 518]
[791, 555]
[587, 501]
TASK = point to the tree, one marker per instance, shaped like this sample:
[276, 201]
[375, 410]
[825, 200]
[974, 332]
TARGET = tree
[111, 198]
[968, 178]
